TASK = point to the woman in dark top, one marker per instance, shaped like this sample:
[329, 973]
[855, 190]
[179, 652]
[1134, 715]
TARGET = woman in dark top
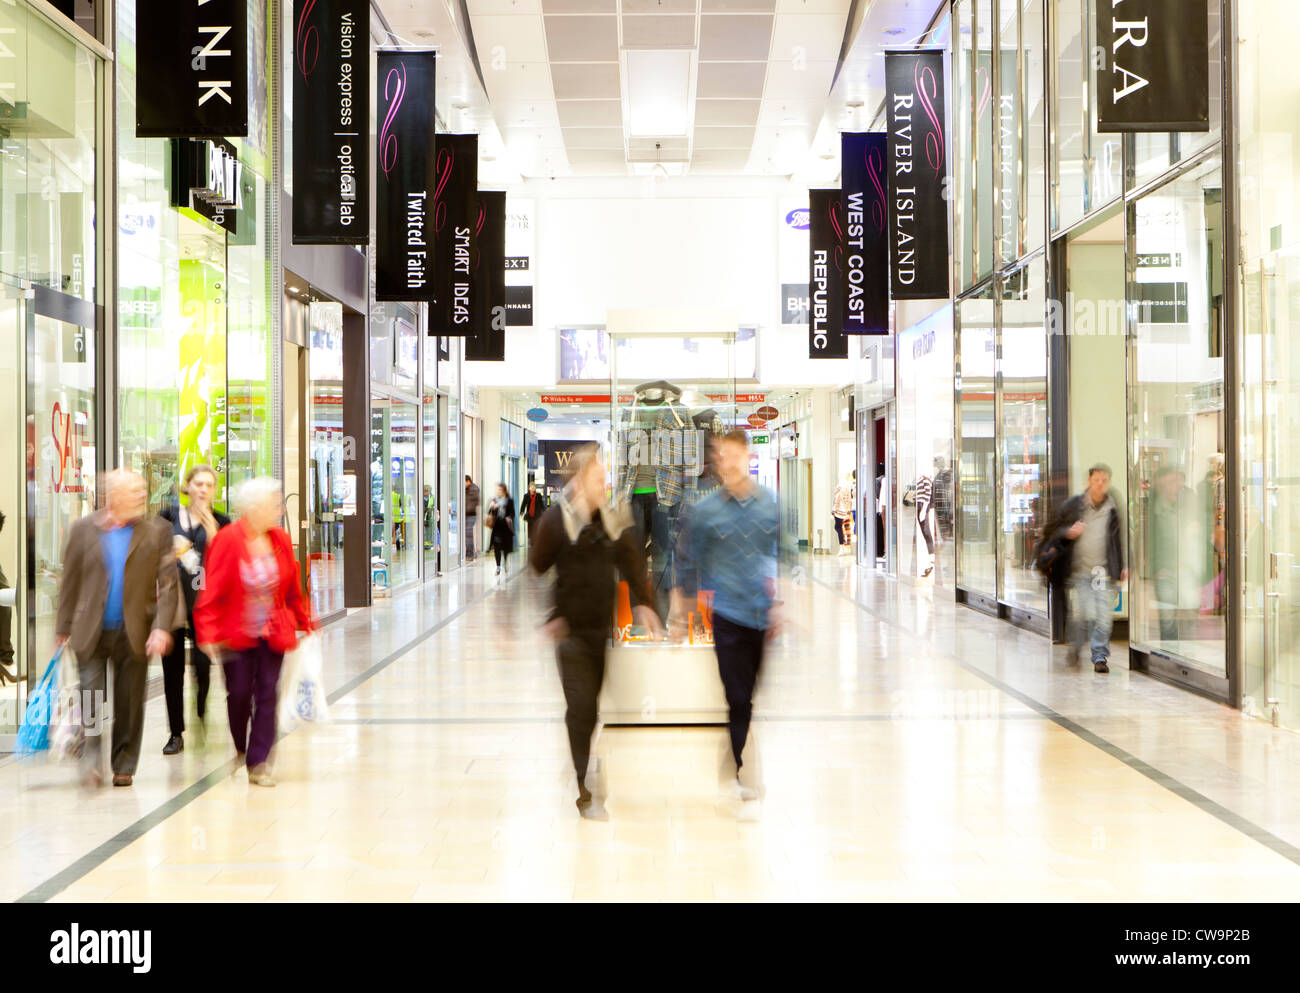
[193, 528]
[501, 519]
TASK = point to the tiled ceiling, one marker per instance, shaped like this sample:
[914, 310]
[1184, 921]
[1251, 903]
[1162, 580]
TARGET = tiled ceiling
[556, 73]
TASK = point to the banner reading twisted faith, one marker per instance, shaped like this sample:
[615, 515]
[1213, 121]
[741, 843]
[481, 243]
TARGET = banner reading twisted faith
[487, 342]
[404, 177]
[331, 114]
[918, 174]
[455, 216]
[866, 242]
[826, 338]
[191, 69]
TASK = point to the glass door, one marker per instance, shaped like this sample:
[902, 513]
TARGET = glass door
[1270, 525]
[14, 317]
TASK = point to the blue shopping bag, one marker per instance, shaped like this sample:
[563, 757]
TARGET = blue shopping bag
[34, 735]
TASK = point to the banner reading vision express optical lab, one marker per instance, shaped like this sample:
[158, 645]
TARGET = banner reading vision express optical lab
[191, 76]
[455, 216]
[487, 339]
[1157, 71]
[918, 171]
[866, 242]
[826, 338]
[331, 114]
[404, 177]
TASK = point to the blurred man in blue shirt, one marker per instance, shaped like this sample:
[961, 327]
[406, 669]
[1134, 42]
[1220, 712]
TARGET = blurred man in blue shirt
[729, 545]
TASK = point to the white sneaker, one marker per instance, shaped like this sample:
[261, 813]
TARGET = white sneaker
[736, 790]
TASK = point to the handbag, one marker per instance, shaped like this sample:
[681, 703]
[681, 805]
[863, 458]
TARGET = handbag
[34, 735]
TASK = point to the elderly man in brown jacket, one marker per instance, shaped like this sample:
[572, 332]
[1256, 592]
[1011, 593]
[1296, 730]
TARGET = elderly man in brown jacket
[118, 600]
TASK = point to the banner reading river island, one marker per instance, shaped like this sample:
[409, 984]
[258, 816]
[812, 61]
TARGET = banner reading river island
[331, 115]
[404, 180]
[918, 172]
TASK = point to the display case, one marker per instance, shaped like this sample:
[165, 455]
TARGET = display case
[672, 395]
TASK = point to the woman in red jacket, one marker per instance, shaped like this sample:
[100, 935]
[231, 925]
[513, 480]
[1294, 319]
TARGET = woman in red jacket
[250, 609]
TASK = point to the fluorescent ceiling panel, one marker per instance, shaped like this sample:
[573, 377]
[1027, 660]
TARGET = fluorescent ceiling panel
[658, 92]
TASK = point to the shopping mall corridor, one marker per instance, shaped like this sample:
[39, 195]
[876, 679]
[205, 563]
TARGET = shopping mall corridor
[911, 749]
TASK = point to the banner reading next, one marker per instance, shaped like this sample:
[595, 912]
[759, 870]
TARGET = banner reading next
[331, 114]
[918, 172]
[404, 179]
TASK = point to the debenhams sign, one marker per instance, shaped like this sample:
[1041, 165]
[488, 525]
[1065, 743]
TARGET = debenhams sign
[191, 68]
[1156, 74]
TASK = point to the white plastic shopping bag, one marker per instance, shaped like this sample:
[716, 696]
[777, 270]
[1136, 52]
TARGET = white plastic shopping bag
[67, 733]
[302, 694]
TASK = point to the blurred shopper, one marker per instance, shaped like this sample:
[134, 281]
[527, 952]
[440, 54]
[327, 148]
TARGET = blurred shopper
[193, 528]
[471, 517]
[1088, 553]
[1176, 550]
[248, 611]
[531, 509]
[118, 600]
[842, 514]
[588, 542]
[501, 522]
[7, 674]
[729, 545]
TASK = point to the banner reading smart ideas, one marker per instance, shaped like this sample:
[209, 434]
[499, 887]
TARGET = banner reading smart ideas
[455, 216]
[487, 342]
[918, 173]
[404, 177]
[331, 113]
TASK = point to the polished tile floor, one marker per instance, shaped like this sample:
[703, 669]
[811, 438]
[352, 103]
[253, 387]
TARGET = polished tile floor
[911, 749]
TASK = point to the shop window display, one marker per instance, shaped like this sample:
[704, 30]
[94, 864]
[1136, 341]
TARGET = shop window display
[977, 468]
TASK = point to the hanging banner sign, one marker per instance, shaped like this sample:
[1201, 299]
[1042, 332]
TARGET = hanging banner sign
[208, 178]
[404, 177]
[331, 112]
[1157, 71]
[487, 342]
[826, 339]
[866, 268]
[455, 216]
[918, 173]
[191, 68]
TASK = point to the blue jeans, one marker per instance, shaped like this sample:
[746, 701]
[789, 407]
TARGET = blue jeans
[1092, 614]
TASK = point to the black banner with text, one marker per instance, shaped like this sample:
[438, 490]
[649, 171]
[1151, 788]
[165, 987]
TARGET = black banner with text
[404, 178]
[826, 339]
[331, 114]
[455, 216]
[1157, 71]
[487, 341]
[918, 174]
[191, 69]
[866, 241]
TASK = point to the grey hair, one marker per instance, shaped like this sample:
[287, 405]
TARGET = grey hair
[253, 491]
[116, 479]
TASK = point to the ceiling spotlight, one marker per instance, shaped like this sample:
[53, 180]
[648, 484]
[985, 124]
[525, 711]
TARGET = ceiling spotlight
[855, 105]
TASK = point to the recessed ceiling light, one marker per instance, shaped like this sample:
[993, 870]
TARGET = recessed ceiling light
[893, 31]
[854, 105]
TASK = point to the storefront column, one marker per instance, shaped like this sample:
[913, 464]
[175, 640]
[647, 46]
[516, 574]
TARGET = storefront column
[356, 465]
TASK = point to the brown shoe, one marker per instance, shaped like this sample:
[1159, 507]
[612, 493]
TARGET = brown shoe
[120, 779]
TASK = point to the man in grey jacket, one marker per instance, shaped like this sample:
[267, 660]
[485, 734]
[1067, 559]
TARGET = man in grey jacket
[118, 602]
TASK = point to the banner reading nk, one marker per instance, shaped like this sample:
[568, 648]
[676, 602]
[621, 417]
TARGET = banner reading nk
[866, 212]
[487, 341]
[191, 75]
[918, 174]
[404, 177]
[455, 216]
[826, 338]
[331, 114]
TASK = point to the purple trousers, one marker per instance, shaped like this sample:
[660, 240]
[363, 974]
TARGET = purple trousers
[252, 685]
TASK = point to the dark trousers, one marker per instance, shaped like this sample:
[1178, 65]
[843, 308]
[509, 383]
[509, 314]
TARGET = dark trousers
[532, 527]
[923, 522]
[842, 529]
[173, 664]
[740, 655]
[252, 683]
[581, 658]
[643, 507]
[129, 674]
[501, 555]
[6, 626]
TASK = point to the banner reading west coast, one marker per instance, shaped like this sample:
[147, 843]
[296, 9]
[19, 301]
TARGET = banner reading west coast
[866, 242]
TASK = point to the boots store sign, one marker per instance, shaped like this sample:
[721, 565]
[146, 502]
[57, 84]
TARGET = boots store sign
[191, 68]
[1156, 75]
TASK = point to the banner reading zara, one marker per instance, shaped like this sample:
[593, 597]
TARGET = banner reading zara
[404, 178]
[826, 338]
[918, 173]
[1157, 71]
[191, 76]
[487, 340]
[455, 216]
[866, 242]
[331, 114]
